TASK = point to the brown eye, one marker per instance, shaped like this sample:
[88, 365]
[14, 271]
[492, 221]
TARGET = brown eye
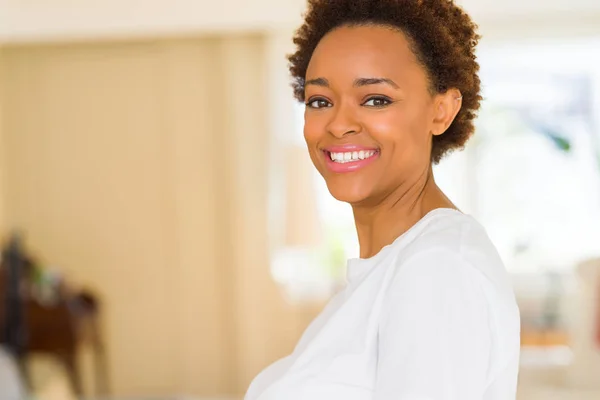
[377, 102]
[318, 103]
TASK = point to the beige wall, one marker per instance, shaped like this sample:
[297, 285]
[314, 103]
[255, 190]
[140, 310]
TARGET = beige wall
[140, 170]
[69, 20]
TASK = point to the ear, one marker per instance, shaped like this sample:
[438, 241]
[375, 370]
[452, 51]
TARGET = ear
[446, 106]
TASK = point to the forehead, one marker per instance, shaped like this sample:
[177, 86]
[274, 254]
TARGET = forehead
[362, 51]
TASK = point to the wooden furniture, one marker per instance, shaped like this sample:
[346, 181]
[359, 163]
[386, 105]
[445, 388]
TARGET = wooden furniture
[59, 329]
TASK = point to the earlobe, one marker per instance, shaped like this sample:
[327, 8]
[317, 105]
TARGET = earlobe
[447, 107]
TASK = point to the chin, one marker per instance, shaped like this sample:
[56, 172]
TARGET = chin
[348, 193]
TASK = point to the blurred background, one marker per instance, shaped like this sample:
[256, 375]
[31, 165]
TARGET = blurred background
[164, 235]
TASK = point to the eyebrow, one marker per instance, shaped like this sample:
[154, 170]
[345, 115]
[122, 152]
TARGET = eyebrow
[359, 82]
[375, 81]
[317, 82]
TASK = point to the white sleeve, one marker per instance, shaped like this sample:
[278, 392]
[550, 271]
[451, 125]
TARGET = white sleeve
[434, 339]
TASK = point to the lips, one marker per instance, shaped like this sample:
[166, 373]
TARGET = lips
[349, 158]
[342, 157]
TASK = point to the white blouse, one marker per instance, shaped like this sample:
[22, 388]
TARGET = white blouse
[432, 316]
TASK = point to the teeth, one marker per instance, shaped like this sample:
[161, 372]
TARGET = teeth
[352, 156]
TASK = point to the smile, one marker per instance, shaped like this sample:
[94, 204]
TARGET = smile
[340, 161]
[351, 156]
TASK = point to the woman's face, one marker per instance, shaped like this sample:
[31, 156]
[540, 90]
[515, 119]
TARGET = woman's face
[370, 116]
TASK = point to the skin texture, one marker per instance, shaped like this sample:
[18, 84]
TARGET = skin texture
[399, 117]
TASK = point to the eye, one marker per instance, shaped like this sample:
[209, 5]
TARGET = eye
[377, 102]
[318, 103]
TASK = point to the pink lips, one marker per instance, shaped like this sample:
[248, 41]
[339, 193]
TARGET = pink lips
[348, 166]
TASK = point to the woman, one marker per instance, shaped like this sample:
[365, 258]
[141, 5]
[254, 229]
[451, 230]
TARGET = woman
[390, 87]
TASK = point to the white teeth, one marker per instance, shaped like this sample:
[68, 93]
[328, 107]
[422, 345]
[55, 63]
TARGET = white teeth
[352, 156]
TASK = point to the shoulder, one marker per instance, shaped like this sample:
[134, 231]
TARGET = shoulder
[438, 258]
[451, 260]
[433, 286]
[449, 242]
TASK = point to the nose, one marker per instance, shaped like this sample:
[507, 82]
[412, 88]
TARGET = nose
[343, 122]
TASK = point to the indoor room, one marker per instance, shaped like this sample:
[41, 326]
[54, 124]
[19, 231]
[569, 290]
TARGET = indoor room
[165, 235]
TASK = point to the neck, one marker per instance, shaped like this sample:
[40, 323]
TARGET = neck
[379, 224]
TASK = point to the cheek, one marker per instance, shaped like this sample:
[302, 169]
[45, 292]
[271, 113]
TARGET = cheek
[405, 128]
[392, 129]
[386, 128]
[402, 135]
[314, 132]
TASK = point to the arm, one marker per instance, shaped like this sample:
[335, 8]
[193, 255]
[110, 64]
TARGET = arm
[435, 339]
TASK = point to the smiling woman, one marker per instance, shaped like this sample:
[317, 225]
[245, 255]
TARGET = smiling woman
[366, 79]
[390, 87]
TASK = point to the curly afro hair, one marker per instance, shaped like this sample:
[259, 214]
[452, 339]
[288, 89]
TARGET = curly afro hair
[442, 36]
